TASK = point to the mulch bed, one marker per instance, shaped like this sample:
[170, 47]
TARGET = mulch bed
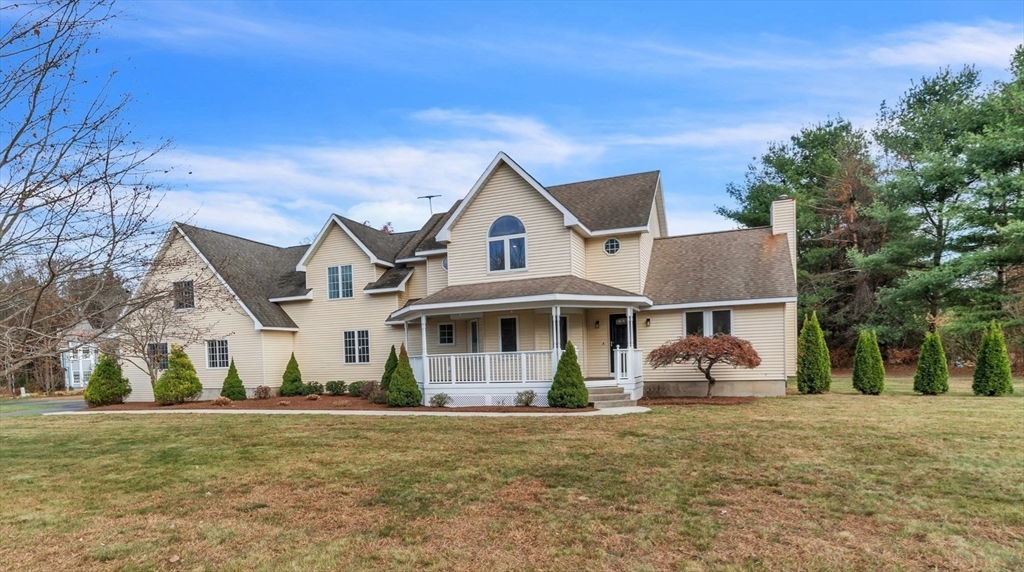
[654, 401]
[326, 402]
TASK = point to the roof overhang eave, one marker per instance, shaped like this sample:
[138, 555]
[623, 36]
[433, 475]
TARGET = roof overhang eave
[518, 302]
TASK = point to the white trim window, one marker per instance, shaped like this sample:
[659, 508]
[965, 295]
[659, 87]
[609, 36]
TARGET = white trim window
[612, 246]
[339, 282]
[446, 334]
[184, 295]
[217, 354]
[707, 322]
[357, 346]
[156, 353]
[506, 245]
[444, 264]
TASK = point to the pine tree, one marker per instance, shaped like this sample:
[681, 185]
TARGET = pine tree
[233, 388]
[106, 384]
[568, 389]
[992, 375]
[868, 370]
[403, 391]
[932, 375]
[814, 367]
[291, 381]
[389, 370]
[179, 382]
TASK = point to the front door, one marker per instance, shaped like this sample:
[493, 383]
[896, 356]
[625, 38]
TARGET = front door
[474, 336]
[617, 336]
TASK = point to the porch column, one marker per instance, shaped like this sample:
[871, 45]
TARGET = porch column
[406, 324]
[423, 352]
[629, 344]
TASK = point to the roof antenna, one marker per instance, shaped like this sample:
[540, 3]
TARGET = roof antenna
[430, 201]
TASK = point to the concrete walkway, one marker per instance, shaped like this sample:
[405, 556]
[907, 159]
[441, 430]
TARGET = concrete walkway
[379, 412]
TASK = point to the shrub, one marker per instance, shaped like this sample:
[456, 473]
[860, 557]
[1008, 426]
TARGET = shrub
[813, 371]
[525, 398]
[291, 381]
[868, 371]
[568, 389]
[374, 393]
[179, 382]
[705, 353]
[233, 388]
[932, 375]
[355, 389]
[440, 400]
[389, 369]
[221, 401]
[992, 376]
[335, 387]
[262, 392]
[107, 385]
[312, 388]
[403, 391]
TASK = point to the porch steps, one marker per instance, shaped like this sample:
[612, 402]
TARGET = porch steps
[608, 397]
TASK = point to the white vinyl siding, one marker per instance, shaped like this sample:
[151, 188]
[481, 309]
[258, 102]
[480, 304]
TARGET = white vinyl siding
[647, 245]
[217, 356]
[578, 245]
[621, 270]
[437, 277]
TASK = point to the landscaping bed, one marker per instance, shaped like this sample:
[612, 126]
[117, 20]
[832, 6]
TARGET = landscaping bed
[327, 402]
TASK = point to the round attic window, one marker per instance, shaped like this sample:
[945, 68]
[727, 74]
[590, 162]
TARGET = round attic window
[611, 246]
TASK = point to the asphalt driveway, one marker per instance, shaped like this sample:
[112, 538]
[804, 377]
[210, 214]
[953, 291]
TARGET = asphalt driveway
[39, 405]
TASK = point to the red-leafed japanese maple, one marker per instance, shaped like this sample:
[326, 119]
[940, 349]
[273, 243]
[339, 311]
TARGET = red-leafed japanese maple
[705, 353]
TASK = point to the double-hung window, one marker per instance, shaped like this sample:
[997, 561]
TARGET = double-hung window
[506, 245]
[156, 353]
[707, 323]
[446, 334]
[339, 282]
[357, 346]
[217, 354]
[184, 295]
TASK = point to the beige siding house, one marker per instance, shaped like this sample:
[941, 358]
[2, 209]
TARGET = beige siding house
[486, 295]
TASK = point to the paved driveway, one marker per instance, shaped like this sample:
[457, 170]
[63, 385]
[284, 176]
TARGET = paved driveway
[38, 406]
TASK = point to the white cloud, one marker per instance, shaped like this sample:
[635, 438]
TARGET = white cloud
[708, 137]
[941, 44]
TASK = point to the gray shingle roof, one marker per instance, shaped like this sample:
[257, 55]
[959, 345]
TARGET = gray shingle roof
[744, 264]
[616, 202]
[392, 278]
[255, 271]
[383, 245]
[410, 248]
[518, 288]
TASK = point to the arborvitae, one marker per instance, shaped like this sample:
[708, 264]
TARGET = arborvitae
[233, 388]
[403, 391]
[568, 389]
[868, 370]
[389, 369]
[992, 375]
[291, 381]
[814, 367]
[932, 375]
[179, 383]
[106, 384]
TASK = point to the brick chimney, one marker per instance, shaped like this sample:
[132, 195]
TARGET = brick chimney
[784, 222]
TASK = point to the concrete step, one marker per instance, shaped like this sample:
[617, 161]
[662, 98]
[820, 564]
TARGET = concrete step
[616, 403]
[605, 391]
[607, 396]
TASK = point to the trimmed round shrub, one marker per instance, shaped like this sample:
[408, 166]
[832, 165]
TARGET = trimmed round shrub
[335, 387]
[291, 381]
[233, 388]
[403, 392]
[568, 389]
[107, 385]
[179, 382]
[932, 375]
[992, 375]
[355, 389]
[389, 369]
[813, 366]
[868, 370]
[312, 388]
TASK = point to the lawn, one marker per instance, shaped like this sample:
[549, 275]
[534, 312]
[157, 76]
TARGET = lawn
[829, 482]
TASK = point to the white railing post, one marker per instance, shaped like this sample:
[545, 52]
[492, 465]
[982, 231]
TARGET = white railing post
[451, 361]
[423, 352]
[487, 368]
[522, 366]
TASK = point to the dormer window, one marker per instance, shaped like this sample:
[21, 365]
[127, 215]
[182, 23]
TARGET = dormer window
[506, 245]
[611, 246]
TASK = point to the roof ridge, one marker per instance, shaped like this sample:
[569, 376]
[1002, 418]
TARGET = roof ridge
[712, 232]
[239, 237]
[603, 178]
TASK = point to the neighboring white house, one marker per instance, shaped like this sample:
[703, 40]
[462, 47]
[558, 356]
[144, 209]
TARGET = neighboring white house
[81, 350]
[485, 295]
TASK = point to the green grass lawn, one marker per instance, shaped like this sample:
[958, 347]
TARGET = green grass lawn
[832, 482]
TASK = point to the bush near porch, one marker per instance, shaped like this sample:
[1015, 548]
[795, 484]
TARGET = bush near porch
[568, 389]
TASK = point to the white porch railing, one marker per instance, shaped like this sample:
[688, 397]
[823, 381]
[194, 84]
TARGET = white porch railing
[497, 367]
[628, 363]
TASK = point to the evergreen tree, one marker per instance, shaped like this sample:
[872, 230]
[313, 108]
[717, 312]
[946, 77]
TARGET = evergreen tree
[106, 384]
[404, 392]
[813, 366]
[179, 382]
[868, 369]
[389, 370]
[992, 375]
[233, 388]
[291, 381]
[932, 375]
[568, 389]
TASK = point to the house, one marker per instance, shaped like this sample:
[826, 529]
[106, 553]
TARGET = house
[79, 352]
[486, 295]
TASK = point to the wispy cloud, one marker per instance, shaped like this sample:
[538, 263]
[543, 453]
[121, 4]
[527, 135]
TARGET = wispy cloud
[940, 44]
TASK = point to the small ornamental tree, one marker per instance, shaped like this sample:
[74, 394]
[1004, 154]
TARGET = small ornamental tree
[992, 375]
[403, 391]
[233, 388]
[291, 381]
[389, 369]
[179, 382]
[567, 389]
[106, 384]
[813, 365]
[705, 353]
[932, 375]
[868, 370]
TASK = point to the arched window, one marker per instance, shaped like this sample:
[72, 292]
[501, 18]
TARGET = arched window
[506, 244]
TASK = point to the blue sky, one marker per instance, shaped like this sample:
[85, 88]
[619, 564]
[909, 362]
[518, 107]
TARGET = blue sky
[283, 112]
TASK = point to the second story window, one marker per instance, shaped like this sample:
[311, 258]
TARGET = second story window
[339, 282]
[506, 245]
[184, 295]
